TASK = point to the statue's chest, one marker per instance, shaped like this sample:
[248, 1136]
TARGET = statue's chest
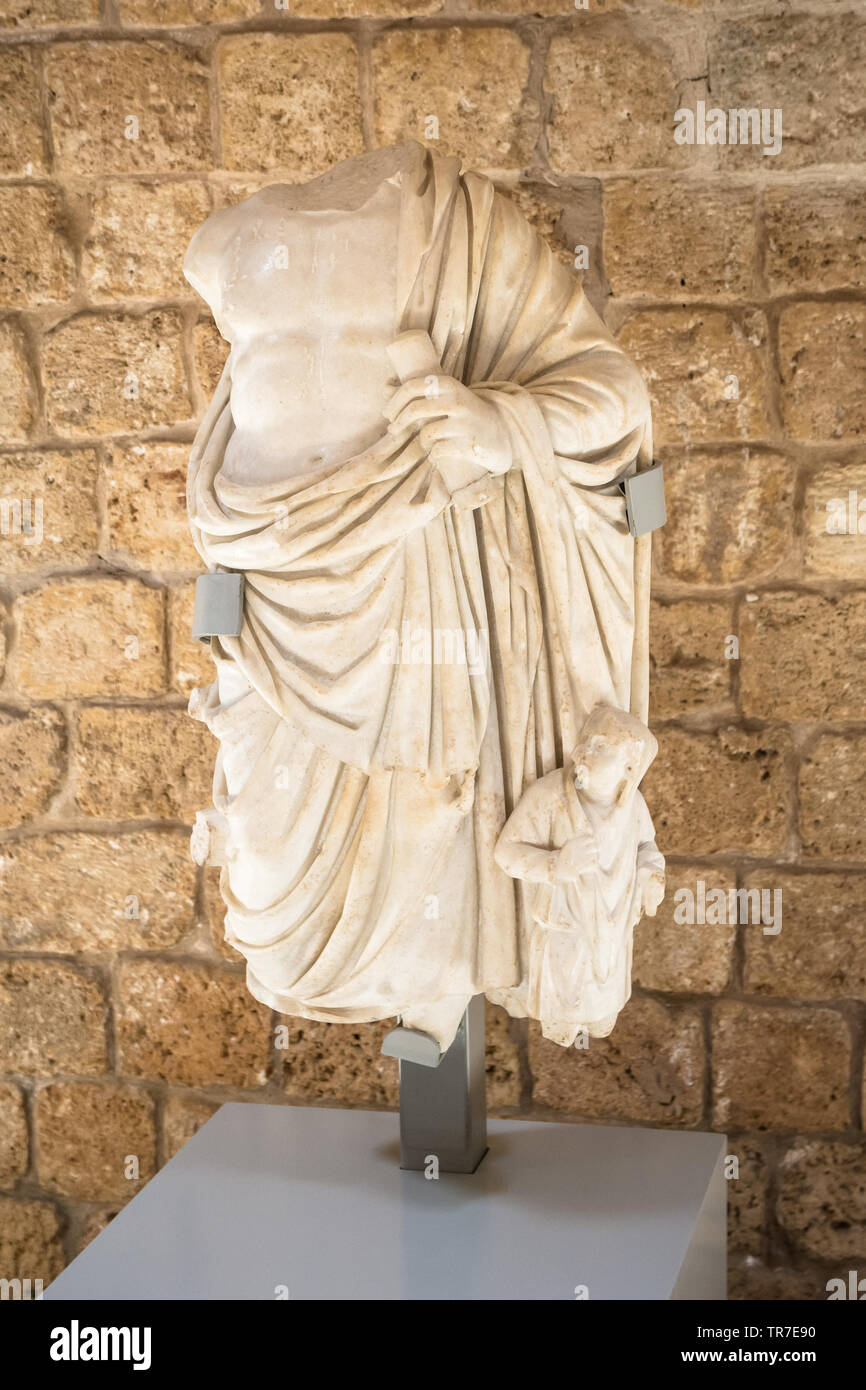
[326, 283]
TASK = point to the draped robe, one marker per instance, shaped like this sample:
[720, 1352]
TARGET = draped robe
[363, 796]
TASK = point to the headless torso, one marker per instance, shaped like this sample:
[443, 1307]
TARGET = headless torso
[310, 372]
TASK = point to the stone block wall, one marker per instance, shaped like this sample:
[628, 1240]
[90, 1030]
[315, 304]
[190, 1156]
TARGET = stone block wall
[735, 277]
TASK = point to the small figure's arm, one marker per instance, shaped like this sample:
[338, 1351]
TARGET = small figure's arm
[651, 876]
[527, 848]
[531, 863]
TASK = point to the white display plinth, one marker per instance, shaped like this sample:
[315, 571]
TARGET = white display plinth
[267, 1199]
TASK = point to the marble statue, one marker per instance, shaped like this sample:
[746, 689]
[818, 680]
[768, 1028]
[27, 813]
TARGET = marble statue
[414, 457]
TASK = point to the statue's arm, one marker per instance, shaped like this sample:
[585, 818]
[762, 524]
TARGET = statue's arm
[460, 429]
[592, 396]
[650, 859]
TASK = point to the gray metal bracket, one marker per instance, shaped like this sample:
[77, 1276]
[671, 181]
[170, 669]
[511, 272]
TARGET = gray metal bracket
[411, 1045]
[443, 1108]
[645, 500]
[219, 606]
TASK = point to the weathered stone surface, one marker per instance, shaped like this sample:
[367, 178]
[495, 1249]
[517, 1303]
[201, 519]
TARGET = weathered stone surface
[90, 637]
[126, 107]
[189, 1025]
[532, 7]
[779, 1068]
[91, 1224]
[754, 1282]
[666, 238]
[182, 1118]
[728, 790]
[801, 656]
[17, 391]
[14, 1143]
[75, 892]
[32, 758]
[822, 358]
[289, 101]
[768, 61]
[356, 9]
[211, 351]
[706, 370]
[820, 953]
[142, 762]
[339, 1062]
[834, 513]
[747, 1199]
[822, 1198]
[833, 798]
[51, 506]
[650, 1070]
[674, 954]
[51, 1019]
[111, 373]
[503, 1061]
[88, 1133]
[21, 148]
[146, 504]
[138, 237]
[152, 12]
[815, 236]
[688, 667]
[730, 516]
[614, 94]
[471, 80]
[34, 14]
[191, 664]
[30, 1241]
[215, 914]
[37, 266]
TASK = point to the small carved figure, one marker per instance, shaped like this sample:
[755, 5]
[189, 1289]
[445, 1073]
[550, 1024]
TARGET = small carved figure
[582, 842]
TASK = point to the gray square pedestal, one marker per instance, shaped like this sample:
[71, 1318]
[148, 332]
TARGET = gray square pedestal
[272, 1198]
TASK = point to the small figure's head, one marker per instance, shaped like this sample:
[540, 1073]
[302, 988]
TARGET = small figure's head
[612, 754]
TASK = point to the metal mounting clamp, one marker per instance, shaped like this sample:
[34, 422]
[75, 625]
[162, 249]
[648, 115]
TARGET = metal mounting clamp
[645, 500]
[219, 606]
